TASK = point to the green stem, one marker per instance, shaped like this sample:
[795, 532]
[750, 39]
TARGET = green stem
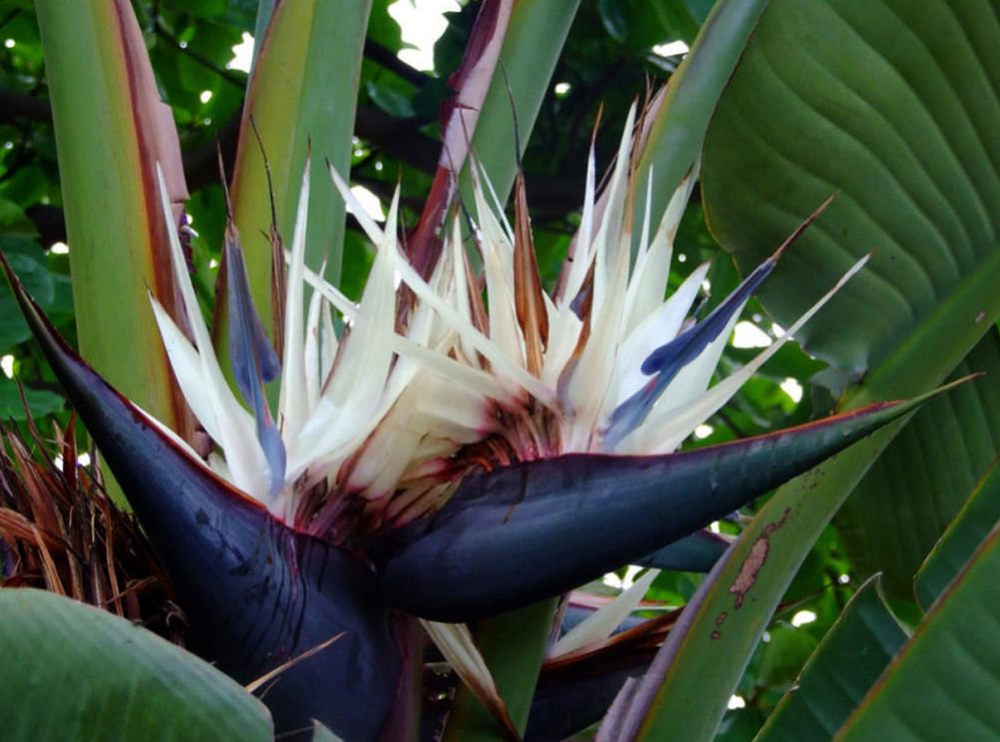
[110, 132]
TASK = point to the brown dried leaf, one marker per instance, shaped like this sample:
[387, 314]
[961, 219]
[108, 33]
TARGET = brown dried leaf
[529, 298]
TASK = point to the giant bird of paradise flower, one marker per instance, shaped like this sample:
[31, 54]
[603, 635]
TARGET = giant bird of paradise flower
[435, 459]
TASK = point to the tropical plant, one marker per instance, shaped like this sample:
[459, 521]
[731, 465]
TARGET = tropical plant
[438, 461]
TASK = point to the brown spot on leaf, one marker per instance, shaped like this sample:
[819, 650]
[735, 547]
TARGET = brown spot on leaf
[720, 618]
[716, 635]
[755, 560]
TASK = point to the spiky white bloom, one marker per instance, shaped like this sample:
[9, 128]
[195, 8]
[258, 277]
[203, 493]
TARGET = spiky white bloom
[378, 423]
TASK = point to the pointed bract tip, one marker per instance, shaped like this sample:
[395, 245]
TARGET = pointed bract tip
[806, 223]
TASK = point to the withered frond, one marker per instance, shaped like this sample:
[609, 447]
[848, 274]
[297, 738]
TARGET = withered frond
[59, 531]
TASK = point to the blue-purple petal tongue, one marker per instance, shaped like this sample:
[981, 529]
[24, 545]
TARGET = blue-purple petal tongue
[254, 359]
[664, 363]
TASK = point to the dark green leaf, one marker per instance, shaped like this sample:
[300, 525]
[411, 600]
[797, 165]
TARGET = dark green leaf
[884, 103]
[84, 674]
[944, 682]
[786, 651]
[201, 8]
[849, 659]
[28, 261]
[382, 27]
[613, 14]
[40, 403]
[13, 221]
[903, 505]
[972, 524]
[390, 100]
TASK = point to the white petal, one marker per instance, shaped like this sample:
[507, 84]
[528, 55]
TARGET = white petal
[582, 252]
[187, 368]
[456, 644]
[367, 223]
[293, 403]
[332, 294]
[312, 351]
[598, 626]
[652, 268]
[244, 456]
[463, 376]
[503, 367]
[657, 329]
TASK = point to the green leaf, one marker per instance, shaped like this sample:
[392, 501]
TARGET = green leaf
[845, 665]
[200, 8]
[676, 21]
[885, 104]
[389, 99]
[614, 18]
[28, 263]
[13, 221]
[783, 656]
[40, 403]
[678, 131]
[85, 674]
[945, 681]
[303, 90]
[903, 505]
[383, 28]
[958, 543]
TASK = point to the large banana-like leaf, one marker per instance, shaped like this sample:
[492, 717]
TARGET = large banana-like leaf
[111, 128]
[886, 104]
[860, 683]
[944, 682]
[980, 513]
[849, 660]
[75, 672]
[905, 502]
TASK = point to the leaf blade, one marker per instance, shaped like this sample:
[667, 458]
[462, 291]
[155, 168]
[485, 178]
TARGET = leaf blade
[847, 662]
[124, 682]
[948, 662]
